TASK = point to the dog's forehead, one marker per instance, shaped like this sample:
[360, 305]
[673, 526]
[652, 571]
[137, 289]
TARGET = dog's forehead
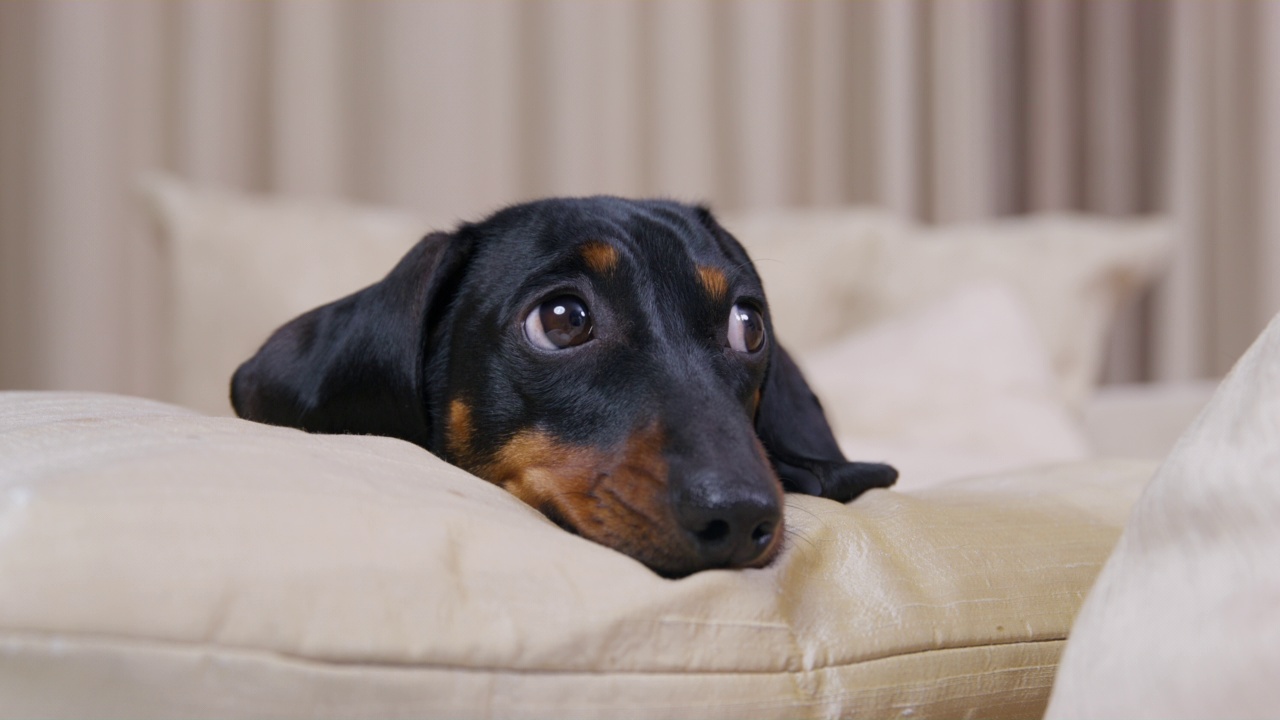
[651, 251]
[641, 229]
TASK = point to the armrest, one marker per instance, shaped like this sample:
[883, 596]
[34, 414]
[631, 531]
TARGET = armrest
[1143, 420]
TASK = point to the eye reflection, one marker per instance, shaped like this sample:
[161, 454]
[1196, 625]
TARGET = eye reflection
[560, 323]
[746, 329]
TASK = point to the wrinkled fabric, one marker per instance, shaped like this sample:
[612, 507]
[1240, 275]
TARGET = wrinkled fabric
[159, 563]
[1185, 619]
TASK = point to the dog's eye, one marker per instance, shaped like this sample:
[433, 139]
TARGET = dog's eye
[746, 329]
[558, 323]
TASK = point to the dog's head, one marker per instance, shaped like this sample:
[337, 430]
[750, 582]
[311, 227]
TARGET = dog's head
[610, 362]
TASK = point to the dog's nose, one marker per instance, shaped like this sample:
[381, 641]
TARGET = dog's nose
[731, 525]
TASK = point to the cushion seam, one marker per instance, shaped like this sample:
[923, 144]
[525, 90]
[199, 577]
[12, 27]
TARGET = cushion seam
[162, 644]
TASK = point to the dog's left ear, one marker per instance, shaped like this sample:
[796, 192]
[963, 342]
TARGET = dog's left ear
[790, 422]
[804, 452]
[358, 365]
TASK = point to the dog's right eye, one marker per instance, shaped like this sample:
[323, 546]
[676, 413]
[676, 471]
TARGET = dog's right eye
[559, 323]
[746, 329]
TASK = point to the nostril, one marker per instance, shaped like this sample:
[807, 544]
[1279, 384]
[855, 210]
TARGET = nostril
[762, 534]
[728, 521]
[714, 532]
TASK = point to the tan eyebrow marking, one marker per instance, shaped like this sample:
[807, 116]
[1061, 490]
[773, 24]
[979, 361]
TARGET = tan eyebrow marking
[601, 257]
[714, 282]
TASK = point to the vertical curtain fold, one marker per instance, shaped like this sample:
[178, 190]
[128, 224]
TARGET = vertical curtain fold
[945, 110]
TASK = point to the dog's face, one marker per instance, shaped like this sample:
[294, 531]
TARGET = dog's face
[607, 373]
[610, 362]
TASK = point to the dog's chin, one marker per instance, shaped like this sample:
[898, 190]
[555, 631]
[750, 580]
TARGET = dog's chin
[618, 498]
[675, 560]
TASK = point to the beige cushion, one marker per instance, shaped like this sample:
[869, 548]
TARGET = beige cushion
[241, 266]
[1073, 272]
[159, 563]
[961, 387]
[1185, 619]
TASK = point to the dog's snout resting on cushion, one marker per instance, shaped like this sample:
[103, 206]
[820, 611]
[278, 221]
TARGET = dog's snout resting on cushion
[610, 362]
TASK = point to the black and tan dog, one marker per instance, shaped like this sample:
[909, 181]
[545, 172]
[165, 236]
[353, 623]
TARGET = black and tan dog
[610, 362]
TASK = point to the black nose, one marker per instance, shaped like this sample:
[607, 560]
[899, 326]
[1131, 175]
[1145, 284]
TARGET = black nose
[731, 524]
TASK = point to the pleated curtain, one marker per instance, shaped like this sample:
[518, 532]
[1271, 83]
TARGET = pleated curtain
[944, 110]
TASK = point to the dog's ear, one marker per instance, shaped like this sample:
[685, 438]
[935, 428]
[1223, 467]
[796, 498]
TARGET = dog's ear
[794, 430]
[357, 365]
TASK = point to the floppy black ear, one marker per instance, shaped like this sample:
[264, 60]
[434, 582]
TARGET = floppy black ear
[356, 365]
[794, 431]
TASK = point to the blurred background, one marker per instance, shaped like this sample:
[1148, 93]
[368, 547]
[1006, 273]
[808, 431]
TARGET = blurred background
[946, 111]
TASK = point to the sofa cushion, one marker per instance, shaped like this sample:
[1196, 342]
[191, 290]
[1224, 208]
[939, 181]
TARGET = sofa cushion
[1185, 619]
[240, 266]
[155, 562]
[961, 387]
[831, 272]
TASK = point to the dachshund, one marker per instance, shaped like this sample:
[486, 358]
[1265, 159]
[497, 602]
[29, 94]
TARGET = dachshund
[610, 362]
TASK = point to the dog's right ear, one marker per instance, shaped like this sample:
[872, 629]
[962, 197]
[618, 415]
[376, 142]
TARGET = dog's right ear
[358, 365]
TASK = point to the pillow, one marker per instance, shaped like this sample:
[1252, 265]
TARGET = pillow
[1073, 272]
[1185, 618]
[157, 562]
[962, 387]
[241, 266]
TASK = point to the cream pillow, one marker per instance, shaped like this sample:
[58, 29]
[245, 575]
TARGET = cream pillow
[1185, 619]
[241, 266]
[959, 388]
[159, 563]
[1073, 272]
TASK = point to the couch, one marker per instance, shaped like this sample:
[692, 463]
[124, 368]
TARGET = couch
[162, 559]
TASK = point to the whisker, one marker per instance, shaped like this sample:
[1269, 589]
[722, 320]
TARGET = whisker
[789, 535]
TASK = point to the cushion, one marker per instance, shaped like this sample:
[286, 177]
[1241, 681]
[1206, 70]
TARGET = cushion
[241, 266]
[1143, 420]
[155, 562]
[1185, 619]
[962, 387]
[1074, 272]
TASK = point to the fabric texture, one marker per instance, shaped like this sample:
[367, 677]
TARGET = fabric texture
[1184, 621]
[155, 562]
[961, 387]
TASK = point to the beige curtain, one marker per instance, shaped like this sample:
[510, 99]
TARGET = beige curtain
[947, 110]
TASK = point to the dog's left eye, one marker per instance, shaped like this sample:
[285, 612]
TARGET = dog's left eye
[559, 323]
[746, 329]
